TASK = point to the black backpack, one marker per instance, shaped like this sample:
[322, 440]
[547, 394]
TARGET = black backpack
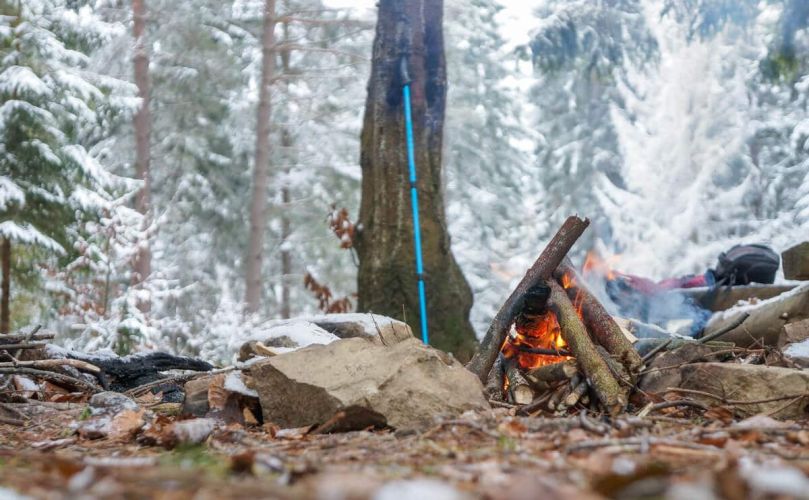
[745, 264]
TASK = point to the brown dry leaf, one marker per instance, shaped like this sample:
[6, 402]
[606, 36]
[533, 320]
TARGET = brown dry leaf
[720, 413]
[51, 391]
[70, 397]
[126, 424]
[512, 428]
[717, 439]
[149, 398]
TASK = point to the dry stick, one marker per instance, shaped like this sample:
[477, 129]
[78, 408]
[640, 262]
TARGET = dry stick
[494, 384]
[679, 402]
[736, 401]
[599, 322]
[594, 366]
[518, 388]
[650, 354]
[732, 326]
[46, 364]
[136, 391]
[553, 373]
[543, 269]
[575, 395]
[57, 378]
[11, 421]
[16, 337]
[25, 345]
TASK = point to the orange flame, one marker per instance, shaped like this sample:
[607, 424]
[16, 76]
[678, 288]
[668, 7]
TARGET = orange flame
[594, 263]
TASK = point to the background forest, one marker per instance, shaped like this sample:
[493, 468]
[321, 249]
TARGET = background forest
[680, 127]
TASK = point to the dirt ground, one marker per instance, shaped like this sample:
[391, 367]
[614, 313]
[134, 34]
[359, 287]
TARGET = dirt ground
[486, 455]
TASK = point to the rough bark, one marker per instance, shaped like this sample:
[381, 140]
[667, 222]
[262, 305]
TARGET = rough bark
[286, 195]
[723, 298]
[543, 269]
[5, 301]
[258, 196]
[387, 282]
[142, 264]
[555, 372]
[519, 390]
[591, 363]
[600, 323]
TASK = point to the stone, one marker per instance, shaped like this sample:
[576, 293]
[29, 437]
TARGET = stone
[300, 332]
[381, 329]
[793, 332]
[360, 383]
[737, 382]
[665, 369]
[798, 353]
[195, 403]
[796, 262]
[111, 402]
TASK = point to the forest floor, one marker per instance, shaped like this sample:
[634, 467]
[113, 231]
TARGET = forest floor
[490, 454]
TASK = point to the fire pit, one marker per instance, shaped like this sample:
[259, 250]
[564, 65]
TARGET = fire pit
[553, 345]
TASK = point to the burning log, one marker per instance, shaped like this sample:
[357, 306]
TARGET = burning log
[519, 390]
[599, 322]
[555, 372]
[543, 269]
[593, 365]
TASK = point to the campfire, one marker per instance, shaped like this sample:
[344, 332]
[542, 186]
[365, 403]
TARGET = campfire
[553, 346]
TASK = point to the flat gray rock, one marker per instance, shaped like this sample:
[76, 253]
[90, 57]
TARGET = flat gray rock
[363, 383]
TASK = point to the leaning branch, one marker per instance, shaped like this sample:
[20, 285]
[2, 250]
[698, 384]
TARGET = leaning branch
[543, 269]
[593, 365]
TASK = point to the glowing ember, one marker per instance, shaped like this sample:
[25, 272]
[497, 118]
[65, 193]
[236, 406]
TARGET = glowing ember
[540, 331]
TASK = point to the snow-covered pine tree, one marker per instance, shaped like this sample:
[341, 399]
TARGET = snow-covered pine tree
[581, 51]
[54, 116]
[494, 199]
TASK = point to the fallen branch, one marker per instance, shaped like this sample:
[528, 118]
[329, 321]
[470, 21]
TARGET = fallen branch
[46, 364]
[543, 269]
[599, 322]
[594, 366]
[736, 402]
[555, 372]
[22, 345]
[725, 329]
[56, 378]
[495, 381]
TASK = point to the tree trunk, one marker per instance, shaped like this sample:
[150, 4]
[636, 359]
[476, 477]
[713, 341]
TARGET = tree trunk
[387, 281]
[258, 201]
[5, 301]
[142, 265]
[286, 196]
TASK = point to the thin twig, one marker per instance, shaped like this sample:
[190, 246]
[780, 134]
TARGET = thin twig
[136, 391]
[57, 378]
[715, 335]
[735, 401]
[649, 355]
